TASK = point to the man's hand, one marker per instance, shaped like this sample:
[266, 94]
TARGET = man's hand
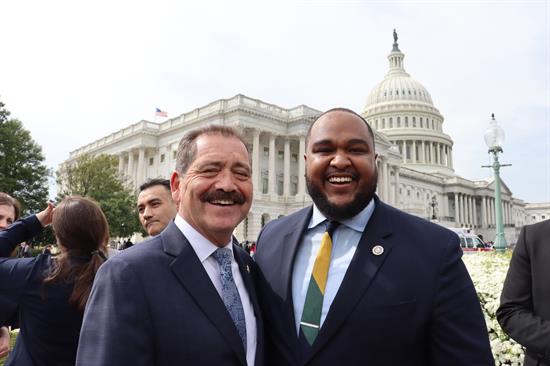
[45, 217]
[4, 341]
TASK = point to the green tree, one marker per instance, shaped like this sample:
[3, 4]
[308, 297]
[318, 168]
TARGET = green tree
[23, 173]
[97, 177]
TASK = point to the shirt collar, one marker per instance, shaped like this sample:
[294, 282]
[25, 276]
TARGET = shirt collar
[357, 222]
[202, 246]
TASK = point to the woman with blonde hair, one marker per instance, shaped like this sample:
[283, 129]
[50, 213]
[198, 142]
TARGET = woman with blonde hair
[46, 295]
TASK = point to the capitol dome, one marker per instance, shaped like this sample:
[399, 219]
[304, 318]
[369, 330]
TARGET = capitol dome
[402, 109]
[399, 88]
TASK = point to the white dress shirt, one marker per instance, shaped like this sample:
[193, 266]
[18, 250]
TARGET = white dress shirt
[344, 243]
[204, 249]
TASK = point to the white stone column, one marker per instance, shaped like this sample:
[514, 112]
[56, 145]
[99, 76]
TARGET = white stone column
[413, 147]
[131, 166]
[286, 168]
[272, 184]
[475, 211]
[423, 155]
[404, 150]
[468, 214]
[379, 178]
[457, 209]
[445, 198]
[450, 157]
[432, 157]
[386, 180]
[483, 212]
[471, 204]
[396, 170]
[156, 162]
[464, 208]
[301, 167]
[256, 160]
[120, 162]
[141, 166]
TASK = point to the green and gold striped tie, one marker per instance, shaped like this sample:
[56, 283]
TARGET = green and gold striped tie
[311, 315]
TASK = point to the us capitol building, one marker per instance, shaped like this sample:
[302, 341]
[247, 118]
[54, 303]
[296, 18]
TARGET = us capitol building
[415, 162]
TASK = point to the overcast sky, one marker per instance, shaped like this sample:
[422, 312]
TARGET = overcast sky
[75, 71]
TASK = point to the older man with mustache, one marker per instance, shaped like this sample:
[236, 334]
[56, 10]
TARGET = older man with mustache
[188, 296]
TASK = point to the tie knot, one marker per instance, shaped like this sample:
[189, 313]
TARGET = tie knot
[222, 255]
[331, 226]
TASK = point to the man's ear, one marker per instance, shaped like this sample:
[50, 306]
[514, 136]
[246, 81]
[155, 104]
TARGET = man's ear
[175, 186]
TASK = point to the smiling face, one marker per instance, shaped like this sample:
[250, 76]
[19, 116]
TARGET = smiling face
[156, 208]
[215, 193]
[341, 171]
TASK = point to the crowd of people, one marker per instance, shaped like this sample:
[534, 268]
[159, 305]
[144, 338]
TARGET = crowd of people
[348, 280]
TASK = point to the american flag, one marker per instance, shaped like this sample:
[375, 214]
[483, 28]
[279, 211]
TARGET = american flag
[161, 113]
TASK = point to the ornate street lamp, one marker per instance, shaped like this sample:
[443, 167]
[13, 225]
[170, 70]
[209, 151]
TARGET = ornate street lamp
[494, 138]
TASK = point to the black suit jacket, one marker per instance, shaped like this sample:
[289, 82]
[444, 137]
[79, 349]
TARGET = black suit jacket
[154, 304]
[413, 305]
[524, 311]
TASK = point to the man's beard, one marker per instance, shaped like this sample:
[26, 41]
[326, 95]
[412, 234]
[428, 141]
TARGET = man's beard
[340, 213]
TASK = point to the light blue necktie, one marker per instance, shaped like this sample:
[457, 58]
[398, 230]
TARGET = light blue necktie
[230, 294]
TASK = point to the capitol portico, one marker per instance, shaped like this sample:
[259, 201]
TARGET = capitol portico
[415, 162]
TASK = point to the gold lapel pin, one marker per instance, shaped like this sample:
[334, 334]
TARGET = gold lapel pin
[378, 250]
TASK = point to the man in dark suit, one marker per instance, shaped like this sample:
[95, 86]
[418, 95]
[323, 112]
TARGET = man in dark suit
[186, 296]
[524, 311]
[353, 281]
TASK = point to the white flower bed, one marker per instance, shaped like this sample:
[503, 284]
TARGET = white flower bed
[488, 271]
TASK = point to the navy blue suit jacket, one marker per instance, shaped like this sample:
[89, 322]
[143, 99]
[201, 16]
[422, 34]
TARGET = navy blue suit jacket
[49, 326]
[413, 305]
[154, 304]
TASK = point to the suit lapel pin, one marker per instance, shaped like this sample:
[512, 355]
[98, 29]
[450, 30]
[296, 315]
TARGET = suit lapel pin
[378, 250]
[248, 269]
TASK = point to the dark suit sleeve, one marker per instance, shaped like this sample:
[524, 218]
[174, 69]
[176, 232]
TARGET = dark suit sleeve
[516, 313]
[117, 327]
[18, 232]
[14, 275]
[458, 334]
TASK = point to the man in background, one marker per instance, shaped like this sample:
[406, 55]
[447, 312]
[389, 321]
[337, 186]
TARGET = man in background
[155, 205]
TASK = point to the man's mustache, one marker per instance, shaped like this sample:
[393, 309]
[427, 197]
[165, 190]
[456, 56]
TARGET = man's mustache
[219, 195]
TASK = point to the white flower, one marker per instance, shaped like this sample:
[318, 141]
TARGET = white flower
[488, 271]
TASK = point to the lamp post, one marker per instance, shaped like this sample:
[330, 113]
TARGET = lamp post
[494, 138]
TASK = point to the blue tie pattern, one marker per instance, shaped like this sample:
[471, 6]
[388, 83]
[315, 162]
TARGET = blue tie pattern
[230, 294]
